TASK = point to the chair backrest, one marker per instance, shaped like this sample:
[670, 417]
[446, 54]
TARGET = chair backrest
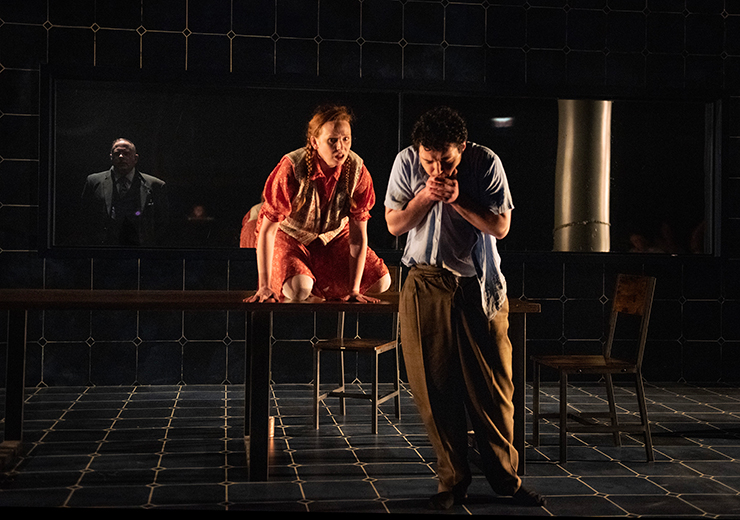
[633, 295]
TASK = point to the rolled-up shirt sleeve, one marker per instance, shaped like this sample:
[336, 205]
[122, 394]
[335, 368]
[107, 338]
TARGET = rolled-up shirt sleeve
[403, 184]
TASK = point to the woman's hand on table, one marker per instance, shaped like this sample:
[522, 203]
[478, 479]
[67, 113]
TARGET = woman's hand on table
[263, 294]
[356, 296]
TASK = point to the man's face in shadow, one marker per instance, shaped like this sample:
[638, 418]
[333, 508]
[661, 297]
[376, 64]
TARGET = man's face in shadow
[123, 156]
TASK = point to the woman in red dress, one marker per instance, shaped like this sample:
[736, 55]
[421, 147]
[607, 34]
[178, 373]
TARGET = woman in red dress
[312, 227]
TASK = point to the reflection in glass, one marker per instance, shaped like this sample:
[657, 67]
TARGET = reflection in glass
[214, 146]
[658, 150]
[123, 206]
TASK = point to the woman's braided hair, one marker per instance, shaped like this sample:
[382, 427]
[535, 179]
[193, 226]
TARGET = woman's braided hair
[322, 115]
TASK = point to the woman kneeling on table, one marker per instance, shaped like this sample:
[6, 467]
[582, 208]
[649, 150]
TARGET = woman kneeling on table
[312, 227]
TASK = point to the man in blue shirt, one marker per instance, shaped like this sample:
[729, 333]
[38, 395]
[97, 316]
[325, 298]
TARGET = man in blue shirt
[452, 198]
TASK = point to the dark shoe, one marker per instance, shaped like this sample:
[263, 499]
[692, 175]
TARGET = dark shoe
[527, 497]
[444, 500]
[441, 501]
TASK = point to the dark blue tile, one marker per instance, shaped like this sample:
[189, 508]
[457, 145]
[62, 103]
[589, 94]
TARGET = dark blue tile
[423, 23]
[203, 362]
[546, 28]
[117, 49]
[702, 320]
[206, 275]
[704, 34]
[113, 363]
[159, 363]
[72, 46]
[382, 21]
[704, 72]
[382, 61]
[163, 50]
[252, 55]
[583, 319]
[115, 273]
[543, 280]
[339, 59]
[24, 46]
[506, 27]
[209, 16]
[665, 32]
[546, 66]
[253, 17]
[702, 361]
[625, 69]
[664, 71]
[586, 30]
[465, 24]
[296, 56]
[662, 361]
[423, 62]
[209, 53]
[340, 19]
[297, 19]
[165, 15]
[586, 68]
[465, 64]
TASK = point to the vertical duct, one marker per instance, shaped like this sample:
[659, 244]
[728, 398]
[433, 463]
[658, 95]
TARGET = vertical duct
[582, 176]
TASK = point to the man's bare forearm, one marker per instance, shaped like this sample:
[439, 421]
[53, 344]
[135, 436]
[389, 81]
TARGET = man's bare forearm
[401, 221]
[496, 224]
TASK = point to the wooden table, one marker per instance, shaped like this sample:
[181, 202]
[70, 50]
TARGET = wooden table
[518, 311]
[18, 302]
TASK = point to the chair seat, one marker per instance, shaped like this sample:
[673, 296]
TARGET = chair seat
[370, 348]
[356, 345]
[585, 363]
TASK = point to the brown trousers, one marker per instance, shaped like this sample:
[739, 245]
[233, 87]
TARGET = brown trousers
[458, 361]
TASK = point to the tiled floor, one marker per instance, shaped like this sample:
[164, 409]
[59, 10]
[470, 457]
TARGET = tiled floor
[181, 447]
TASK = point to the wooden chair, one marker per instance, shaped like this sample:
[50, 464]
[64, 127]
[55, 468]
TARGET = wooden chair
[633, 296]
[363, 346]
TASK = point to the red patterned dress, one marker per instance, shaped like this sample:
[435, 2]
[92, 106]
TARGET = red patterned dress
[313, 208]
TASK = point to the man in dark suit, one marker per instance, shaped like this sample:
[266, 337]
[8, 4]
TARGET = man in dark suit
[123, 206]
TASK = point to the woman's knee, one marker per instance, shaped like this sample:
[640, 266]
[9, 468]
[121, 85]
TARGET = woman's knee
[298, 288]
[381, 285]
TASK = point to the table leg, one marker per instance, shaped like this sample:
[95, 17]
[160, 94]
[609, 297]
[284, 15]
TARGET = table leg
[518, 337]
[257, 396]
[15, 382]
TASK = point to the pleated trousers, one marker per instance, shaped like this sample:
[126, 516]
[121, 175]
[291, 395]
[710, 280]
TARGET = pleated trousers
[458, 364]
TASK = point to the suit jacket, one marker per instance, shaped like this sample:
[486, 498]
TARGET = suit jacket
[101, 226]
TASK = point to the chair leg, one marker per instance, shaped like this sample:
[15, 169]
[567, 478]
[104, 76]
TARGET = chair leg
[397, 385]
[316, 386]
[536, 405]
[612, 408]
[342, 404]
[563, 417]
[340, 334]
[644, 416]
[374, 401]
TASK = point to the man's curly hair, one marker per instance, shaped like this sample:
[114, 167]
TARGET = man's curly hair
[438, 128]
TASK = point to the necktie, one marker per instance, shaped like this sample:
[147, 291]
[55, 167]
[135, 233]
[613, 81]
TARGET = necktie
[123, 186]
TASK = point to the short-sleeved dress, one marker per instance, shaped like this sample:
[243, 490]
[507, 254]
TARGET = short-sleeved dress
[314, 208]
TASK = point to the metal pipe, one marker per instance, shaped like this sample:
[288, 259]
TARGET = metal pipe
[582, 176]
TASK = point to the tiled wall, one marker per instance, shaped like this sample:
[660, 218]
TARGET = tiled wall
[503, 45]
